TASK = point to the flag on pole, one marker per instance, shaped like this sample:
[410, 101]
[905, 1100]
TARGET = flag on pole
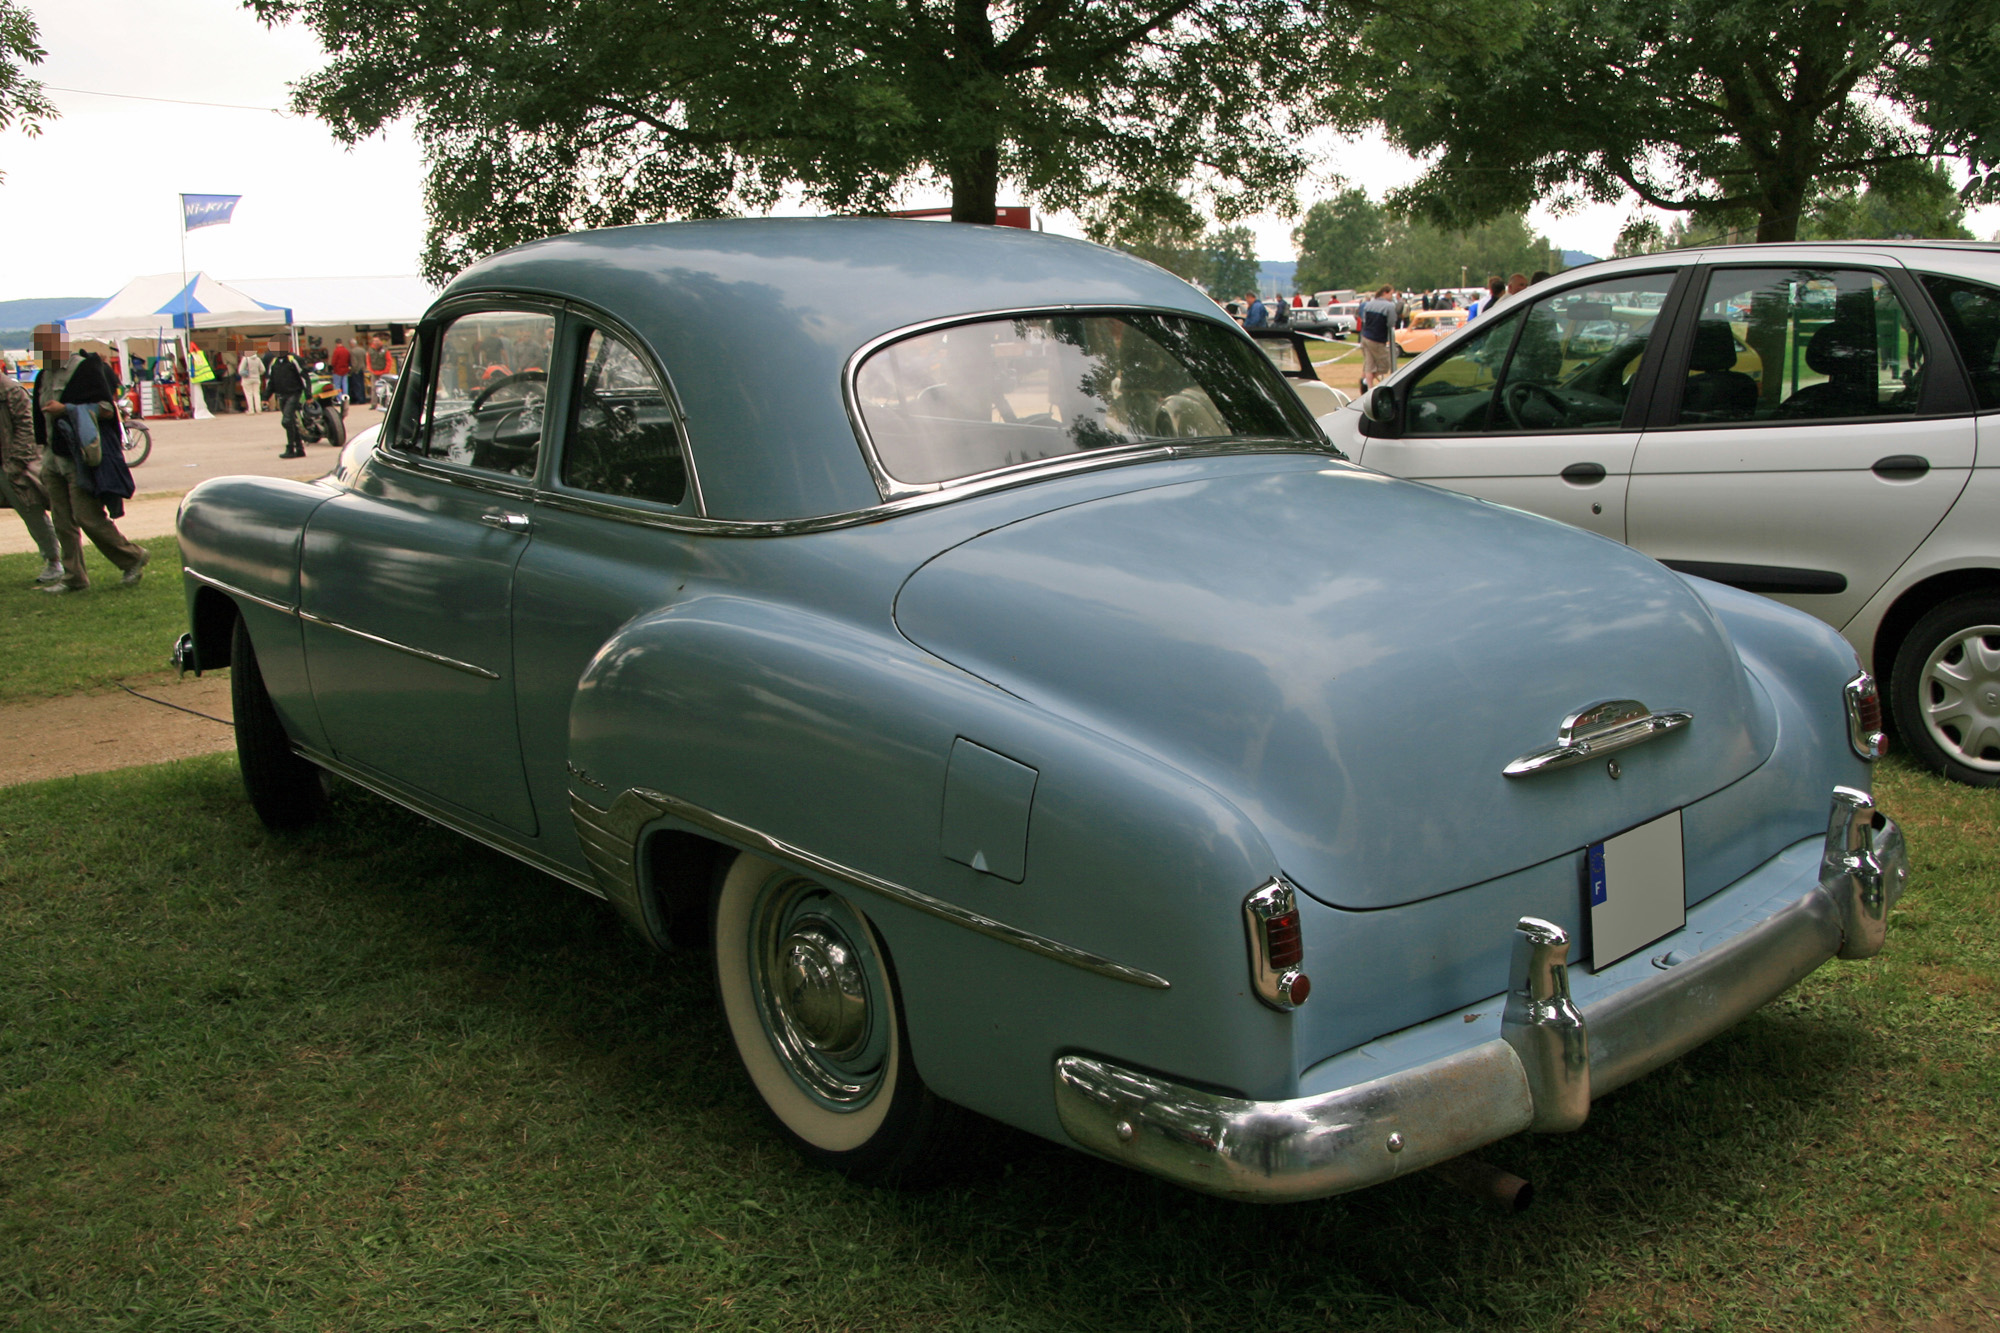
[206, 210]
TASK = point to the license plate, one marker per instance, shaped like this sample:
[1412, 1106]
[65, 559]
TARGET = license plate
[1637, 889]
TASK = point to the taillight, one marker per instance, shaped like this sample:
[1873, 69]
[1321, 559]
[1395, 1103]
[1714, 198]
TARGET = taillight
[1864, 718]
[1277, 946]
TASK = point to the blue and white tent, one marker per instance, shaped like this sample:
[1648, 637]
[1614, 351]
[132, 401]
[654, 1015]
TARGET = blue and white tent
[163, 304]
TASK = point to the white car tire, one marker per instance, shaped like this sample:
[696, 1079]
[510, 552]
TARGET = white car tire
[1944, 690]
[810, 998]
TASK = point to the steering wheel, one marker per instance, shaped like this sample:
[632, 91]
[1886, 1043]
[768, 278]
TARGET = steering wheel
[1514, 401]
[518, 377]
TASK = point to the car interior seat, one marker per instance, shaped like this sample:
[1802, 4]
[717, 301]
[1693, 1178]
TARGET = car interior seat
[1844, 352]
[1716, 390]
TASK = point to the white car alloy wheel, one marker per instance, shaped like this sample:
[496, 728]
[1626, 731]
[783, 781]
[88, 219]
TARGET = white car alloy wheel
[1960, 693]
[806, 991]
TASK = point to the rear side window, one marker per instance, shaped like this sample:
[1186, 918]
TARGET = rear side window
[1972, 312]
[1793, 344]
[622, 439]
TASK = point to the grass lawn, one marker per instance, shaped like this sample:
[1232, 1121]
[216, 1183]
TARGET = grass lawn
[376, 1077]
[87, 640]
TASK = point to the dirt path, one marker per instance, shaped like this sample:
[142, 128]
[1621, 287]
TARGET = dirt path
[94, 733]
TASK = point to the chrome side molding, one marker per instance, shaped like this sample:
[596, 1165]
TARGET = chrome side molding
[1601, 729]
[1545, 1029]
[610, 843]
[1864, 869]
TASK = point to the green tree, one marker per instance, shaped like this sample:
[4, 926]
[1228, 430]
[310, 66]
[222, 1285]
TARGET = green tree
[1348, 241]
[1927, 204]
[537, 119]
[1339, 242]
[1230, 267]
[22, 101]
[1720, 109]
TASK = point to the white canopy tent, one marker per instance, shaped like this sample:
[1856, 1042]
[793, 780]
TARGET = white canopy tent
[166, 308]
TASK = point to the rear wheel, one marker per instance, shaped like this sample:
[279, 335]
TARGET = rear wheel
[336, 428]
[811, 1003]
[1945, 689]
[286, 791]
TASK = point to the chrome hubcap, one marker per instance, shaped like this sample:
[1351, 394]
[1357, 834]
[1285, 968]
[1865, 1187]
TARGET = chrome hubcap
[821, 992]
[1961, 697]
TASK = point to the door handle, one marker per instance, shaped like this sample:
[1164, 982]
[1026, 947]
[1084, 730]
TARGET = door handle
[1583, 474]
[1902, 467]
[507, 522]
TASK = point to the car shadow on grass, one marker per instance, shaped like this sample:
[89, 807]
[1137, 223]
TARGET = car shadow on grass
[1708, 1155]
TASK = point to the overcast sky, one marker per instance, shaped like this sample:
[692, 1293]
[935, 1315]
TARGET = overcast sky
[94, 201]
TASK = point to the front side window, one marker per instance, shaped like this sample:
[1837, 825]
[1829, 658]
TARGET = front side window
[1972, 312]
[971, 398]
[489, 383]
[1566, 363]
[1788, 344]
[621, 438]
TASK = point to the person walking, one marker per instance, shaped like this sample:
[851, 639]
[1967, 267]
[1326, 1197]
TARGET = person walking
[201, 374]
[288, 383]
[250, 369]
[341, 364]
[78, 398]
[20, 479]
[1255, 316]
[1377, 319]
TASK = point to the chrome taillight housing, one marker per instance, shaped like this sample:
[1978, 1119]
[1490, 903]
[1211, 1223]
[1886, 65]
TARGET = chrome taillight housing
[1277, 945]
[1864, 718]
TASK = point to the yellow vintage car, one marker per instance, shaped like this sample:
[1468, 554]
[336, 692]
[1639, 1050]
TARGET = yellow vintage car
[1426, 327]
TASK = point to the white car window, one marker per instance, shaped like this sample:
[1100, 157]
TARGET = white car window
[1787, 344]
[1972, 312]
[1565, 363]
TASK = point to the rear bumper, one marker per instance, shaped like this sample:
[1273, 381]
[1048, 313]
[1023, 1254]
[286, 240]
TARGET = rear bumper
[1550, 1059]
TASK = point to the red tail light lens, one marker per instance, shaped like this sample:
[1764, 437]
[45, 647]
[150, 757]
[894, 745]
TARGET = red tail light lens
[1277, 945]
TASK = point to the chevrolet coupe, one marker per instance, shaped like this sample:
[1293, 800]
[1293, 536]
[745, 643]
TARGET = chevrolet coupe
[991, 665]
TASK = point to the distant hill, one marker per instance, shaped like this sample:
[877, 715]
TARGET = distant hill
[18, 318]
[1276, 275]
[1578, 258]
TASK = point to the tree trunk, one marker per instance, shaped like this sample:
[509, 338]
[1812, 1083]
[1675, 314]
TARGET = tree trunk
[975, 187]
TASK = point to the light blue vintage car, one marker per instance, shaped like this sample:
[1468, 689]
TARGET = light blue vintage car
[984, 651]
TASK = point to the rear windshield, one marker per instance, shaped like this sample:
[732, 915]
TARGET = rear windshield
[971, 398]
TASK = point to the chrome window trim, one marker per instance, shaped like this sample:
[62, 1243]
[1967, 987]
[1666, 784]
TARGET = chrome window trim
[987, 483]
[892, 489]
[189, 571]
[599, 319]
[610, 841]
[487, 483]
[441, 814]
[425, 654]
[447, 311]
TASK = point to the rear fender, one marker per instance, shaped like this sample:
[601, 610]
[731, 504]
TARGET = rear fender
[834, 739]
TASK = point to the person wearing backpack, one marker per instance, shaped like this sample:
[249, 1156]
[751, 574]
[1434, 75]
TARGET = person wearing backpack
[285, 382]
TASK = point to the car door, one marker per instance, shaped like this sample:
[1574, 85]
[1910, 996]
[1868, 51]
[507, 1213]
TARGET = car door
[1537, 406]
[407, 581]
[611, 543]
[1813, 431]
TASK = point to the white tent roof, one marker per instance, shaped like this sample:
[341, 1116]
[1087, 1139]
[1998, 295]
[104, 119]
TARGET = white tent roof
[145, 307]
[326, 302]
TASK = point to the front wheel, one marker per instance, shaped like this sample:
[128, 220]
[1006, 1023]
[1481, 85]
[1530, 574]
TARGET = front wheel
[287, 792]
[811, 1003]
[138, 443]
[336, 429]
[1944, 690]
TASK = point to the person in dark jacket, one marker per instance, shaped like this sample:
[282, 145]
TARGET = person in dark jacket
[71, 388]
[286, 383]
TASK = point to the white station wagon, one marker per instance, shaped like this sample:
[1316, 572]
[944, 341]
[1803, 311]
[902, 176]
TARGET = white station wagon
[1819, 423]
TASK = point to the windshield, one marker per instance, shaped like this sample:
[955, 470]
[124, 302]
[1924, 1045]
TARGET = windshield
[971, 398]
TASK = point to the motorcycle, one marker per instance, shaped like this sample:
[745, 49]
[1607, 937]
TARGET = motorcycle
[138, 435]
[384, 389]
[323, 414]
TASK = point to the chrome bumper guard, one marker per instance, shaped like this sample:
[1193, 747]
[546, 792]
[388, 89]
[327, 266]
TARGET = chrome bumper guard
[1541, 1073]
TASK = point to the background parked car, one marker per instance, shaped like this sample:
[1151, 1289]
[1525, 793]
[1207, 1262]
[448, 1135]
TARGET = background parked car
[1810, 421]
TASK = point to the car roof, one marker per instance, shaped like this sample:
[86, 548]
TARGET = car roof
[755, 320]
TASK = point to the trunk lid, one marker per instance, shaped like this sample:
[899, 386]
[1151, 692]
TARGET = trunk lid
[1352, 660]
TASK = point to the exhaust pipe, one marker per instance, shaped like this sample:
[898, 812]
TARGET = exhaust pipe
[1497, 1189]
